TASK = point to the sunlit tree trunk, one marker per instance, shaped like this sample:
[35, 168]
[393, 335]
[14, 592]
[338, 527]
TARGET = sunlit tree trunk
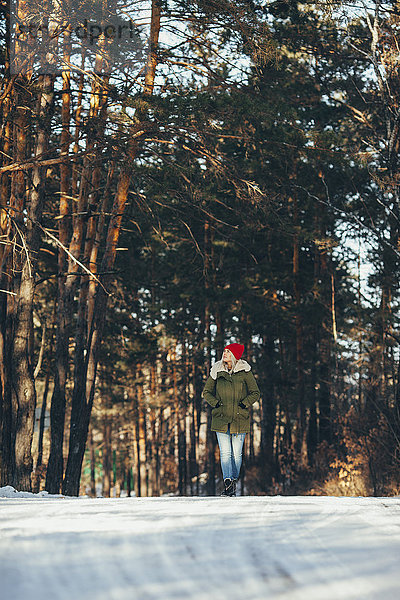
[43, 410]
[136, 439]
[55, 465]
[107, 457]
[6, 458]
[92, 464]
[144, 466]
[85, 376]
[21, 358]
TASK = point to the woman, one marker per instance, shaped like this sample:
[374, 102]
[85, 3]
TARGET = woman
[231, 389]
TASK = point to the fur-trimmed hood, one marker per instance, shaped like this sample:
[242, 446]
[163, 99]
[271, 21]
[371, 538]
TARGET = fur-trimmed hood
[241, 365]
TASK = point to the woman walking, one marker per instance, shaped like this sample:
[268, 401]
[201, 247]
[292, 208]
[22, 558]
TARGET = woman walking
[231, 389]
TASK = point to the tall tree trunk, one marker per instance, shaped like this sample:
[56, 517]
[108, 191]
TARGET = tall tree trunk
[107, 458]
[180, 436]
[82, 235]
[92, 465]
[156, 421]
[325, 425]
[210, 439]
[138, 462]
[55, 465]
[268, 412]
[250, 441]
[144, 466]
[312, 434]
[85, 375]
[198, 383]
[5, 391]
[192, 454]
[43, 410]
[301, 430]
[11, 267]
[22, 368]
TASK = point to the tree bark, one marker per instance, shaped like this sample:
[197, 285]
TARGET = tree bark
[138, 482]
[43, 409]
[268, 412]
[85, 372]
[92, 465]
[301, 430]
[210, 435]
[55, 465]
[22, 368]
[107, 460]
[325, 425]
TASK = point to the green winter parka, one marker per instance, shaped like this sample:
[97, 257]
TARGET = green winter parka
[224, 391]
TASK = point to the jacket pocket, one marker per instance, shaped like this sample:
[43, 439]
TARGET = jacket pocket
[219, 416]
[216, 412]
[243, 412]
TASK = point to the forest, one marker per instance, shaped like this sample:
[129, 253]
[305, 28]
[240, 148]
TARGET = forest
[213, 172]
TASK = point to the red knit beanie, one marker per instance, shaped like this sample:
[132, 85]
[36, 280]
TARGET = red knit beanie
[236, 349]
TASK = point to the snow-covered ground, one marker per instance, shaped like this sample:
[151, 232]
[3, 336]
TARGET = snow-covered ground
[308, 548]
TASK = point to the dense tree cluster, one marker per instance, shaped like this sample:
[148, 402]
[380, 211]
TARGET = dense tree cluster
[227, 185]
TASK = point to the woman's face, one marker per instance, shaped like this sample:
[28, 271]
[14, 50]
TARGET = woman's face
[226, 357]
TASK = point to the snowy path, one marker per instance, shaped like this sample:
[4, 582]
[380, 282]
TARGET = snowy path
[294, 548]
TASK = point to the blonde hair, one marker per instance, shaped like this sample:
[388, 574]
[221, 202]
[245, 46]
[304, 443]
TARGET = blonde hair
[233, 359]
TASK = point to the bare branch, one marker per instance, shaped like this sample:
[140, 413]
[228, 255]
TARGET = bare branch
[40, 163]
[92, 275]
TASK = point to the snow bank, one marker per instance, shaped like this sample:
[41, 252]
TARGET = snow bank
[9, 492]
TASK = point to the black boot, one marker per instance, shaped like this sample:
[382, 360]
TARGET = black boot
[230, 487]
[234, 482]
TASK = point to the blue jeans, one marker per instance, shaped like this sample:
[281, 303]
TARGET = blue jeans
[230, 450]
